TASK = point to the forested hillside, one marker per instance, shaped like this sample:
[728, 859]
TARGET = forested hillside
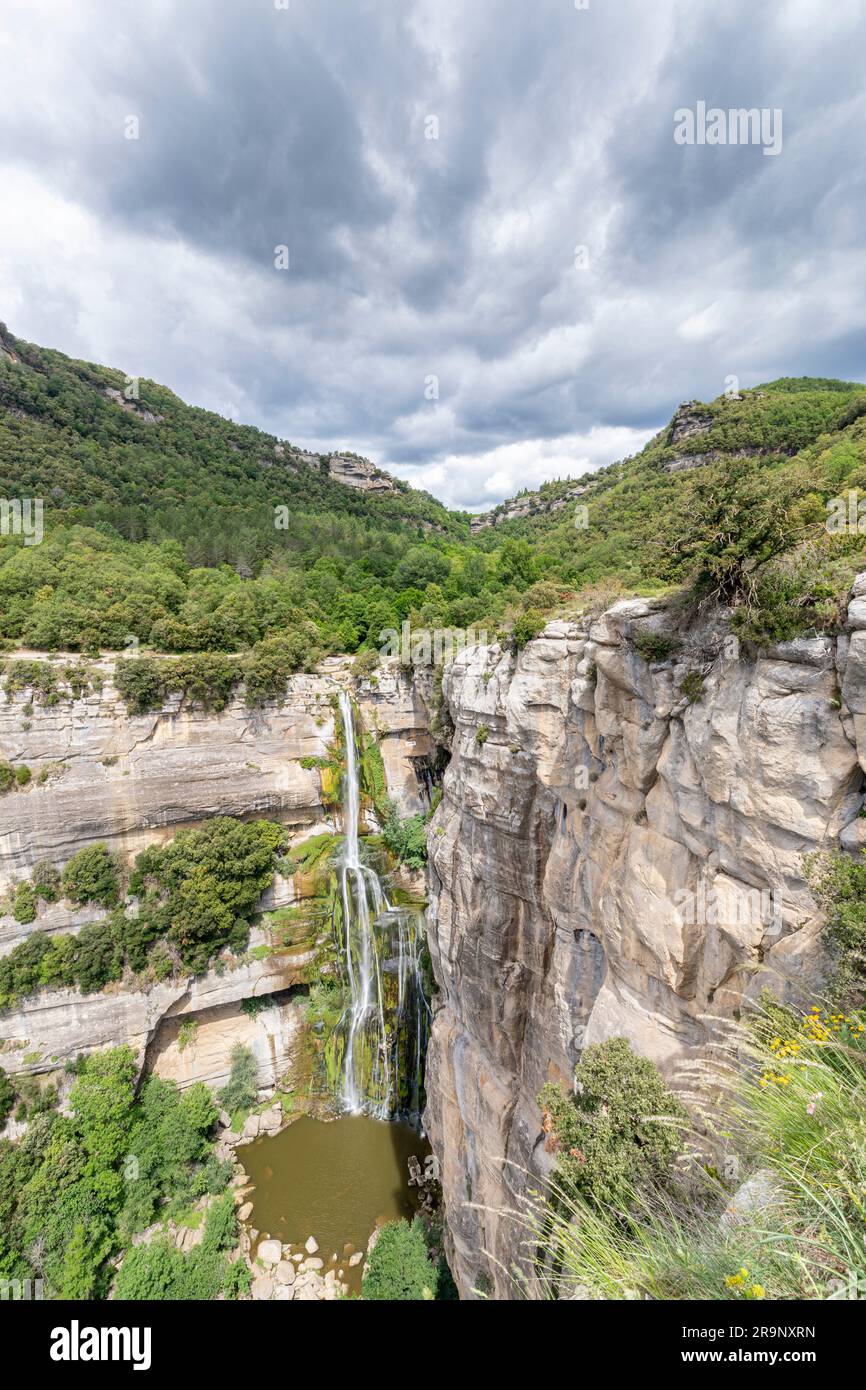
[161, 524]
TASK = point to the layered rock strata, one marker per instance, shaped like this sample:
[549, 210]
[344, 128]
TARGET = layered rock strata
[619, 850]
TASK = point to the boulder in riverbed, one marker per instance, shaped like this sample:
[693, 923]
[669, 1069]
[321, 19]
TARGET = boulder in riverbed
[270, 1252]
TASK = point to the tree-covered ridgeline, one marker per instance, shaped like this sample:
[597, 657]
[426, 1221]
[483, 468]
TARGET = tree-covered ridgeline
[161, 524]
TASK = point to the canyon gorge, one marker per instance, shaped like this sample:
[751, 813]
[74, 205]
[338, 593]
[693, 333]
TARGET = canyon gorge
[589, 812]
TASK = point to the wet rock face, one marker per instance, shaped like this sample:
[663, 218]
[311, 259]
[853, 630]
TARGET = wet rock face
[611, 859]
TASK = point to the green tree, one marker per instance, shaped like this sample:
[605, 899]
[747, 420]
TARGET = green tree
[619, 1130]
[46, 881]
[241, 1089]
[102, 1102]
[24, 904]
[420, 566]
[398, 1268]
[150, 1272]
[90, 876]
[7, 1097]
[526, 626]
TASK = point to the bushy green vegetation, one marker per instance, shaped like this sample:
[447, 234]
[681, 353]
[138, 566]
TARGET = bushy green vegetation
[165, 531]
[210, 678]
[399, 1269]
[241, 1089]
[654, 646]
[46, 881]
[75, 1188]
[197, 895]
[158, 1270]
[91, 876]
[406, 837]
[7, 1097]
[47, 682]
[620, 1129]
[527, 625]
[839, 883]
[785, 1110]
[200, 890]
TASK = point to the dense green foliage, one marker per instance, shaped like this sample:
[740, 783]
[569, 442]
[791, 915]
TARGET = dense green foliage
[398, 1268]
[163, 531]
[75, 1188]
[621, 1127]
[7, 1097]
[209, 678]
[200, 889]
[197, 894]
[406, 837]
[526, 626]
[839, 883]
[158, 1270]
[90, 876]
[786, 1111]
[241, 1089]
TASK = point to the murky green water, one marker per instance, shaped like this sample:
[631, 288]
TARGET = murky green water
[335, 1180]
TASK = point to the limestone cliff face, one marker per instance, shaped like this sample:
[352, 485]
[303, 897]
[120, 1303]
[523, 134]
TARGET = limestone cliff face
[610, 858]
[129, 781]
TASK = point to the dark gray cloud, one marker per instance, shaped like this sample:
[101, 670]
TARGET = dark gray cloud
[450, 258]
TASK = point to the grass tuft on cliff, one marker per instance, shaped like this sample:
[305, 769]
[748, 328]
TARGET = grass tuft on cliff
[782, 1215]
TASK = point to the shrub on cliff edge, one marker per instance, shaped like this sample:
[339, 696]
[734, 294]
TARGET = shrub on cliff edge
[90, 876]
[619, 1130]
[398, 1269]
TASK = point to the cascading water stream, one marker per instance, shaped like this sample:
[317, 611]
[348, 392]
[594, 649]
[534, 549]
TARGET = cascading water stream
[384, 1027]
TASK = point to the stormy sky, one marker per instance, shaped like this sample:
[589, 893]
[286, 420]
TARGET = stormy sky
[433, 167]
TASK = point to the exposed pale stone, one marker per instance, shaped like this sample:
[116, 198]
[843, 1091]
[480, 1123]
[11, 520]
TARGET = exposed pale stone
[755, 1195]
[270, 1252]
[613, 860]
[133, 781]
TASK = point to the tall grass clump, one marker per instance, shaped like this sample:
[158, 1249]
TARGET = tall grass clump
[767, 1198]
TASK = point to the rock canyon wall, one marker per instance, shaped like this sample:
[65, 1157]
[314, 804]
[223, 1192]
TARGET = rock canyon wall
[619, 851]
[133, 781]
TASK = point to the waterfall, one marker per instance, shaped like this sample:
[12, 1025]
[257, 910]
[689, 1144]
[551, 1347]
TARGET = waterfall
[382, 1035]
